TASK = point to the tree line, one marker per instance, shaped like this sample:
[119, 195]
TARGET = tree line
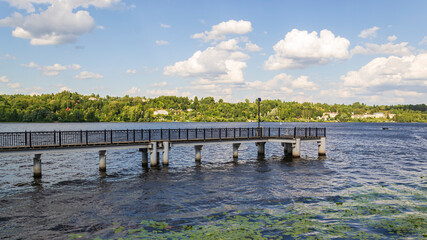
[75, 107]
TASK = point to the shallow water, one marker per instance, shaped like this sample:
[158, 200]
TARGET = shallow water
[74, 198]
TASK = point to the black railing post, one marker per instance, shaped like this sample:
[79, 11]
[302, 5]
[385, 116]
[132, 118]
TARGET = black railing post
[226, 132]
[325, 132]
[134, 135]
[248, 133]
[305, 132]
[220, 133]
[81, 136]
[269, 132]
[127, 135]
[60, 138]
[161, 133]
[196, 133]
[187, 133]
[169, 134]
[309, 131]
[149, 135]
[30, 140]
[179, 133]
[105, 135]
[204, 133]
[279, 132]
[26, 142]
[87, 138]
[54, 137]
[211, 132]
[295, 132]
[142, 134]
[234, 133]
[111, 136]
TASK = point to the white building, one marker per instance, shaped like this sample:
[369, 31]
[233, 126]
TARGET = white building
[160, 112]
[379, 115]
[328, 115]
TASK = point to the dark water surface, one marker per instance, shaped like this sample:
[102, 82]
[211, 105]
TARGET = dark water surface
[74, 198]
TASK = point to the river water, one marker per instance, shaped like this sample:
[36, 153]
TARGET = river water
[74, 200]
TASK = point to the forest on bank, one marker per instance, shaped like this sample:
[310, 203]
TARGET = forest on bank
[74, 107]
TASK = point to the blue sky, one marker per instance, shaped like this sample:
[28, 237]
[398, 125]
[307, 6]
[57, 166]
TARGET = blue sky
[315, 51]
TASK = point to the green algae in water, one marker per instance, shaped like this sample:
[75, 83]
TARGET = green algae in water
[374, 212]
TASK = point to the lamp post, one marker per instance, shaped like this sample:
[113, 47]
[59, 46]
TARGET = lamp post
[259, 112]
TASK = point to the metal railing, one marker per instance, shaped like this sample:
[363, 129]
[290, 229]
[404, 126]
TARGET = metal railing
[105, 137]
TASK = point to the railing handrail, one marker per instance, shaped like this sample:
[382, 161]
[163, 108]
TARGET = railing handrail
[102, 130]
[59, 138]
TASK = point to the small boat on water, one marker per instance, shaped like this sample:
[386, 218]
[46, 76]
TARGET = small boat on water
[385, 128]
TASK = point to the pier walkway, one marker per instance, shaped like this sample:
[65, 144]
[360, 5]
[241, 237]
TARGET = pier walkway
[155, 141]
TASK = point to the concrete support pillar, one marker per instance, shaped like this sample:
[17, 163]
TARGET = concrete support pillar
[261, 148]
[322, 146]
[144, 152]
[198, 149]
[153, 155]
[103, 161]
[37, 167]
[236, 149]
[296, 148]
[287, 149]
[165, 153]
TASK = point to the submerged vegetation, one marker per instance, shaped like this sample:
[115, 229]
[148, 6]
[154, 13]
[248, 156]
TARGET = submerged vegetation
[376, 212]
[74, 107]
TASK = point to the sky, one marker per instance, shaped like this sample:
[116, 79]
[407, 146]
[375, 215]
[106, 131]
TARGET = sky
[373, 52]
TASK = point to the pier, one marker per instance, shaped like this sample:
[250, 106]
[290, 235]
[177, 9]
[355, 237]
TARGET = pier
[156, 141]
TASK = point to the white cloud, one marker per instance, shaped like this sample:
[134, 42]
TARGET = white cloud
[8, 56]
[100, 27]
[391, 38]
[74, 66]
[167, 92]
[231, 44]
[400, 93]
[159, 84]
[88, 75]
[31, 65]
[424, 41]
[283, 86]
[5, 79]
[219, 31]
[165, 26]
[147, 69]
[400, 49]
[299, 49]
[63, 88]
[131, 71]
[52, 70]
[162, 42]
[391, 71]
[369, 33]
[14, 85]
[283, 83]
[211, 65]
[252, 47]
[391, 80]
[30, 5]
[134, 91]
[60, 23]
